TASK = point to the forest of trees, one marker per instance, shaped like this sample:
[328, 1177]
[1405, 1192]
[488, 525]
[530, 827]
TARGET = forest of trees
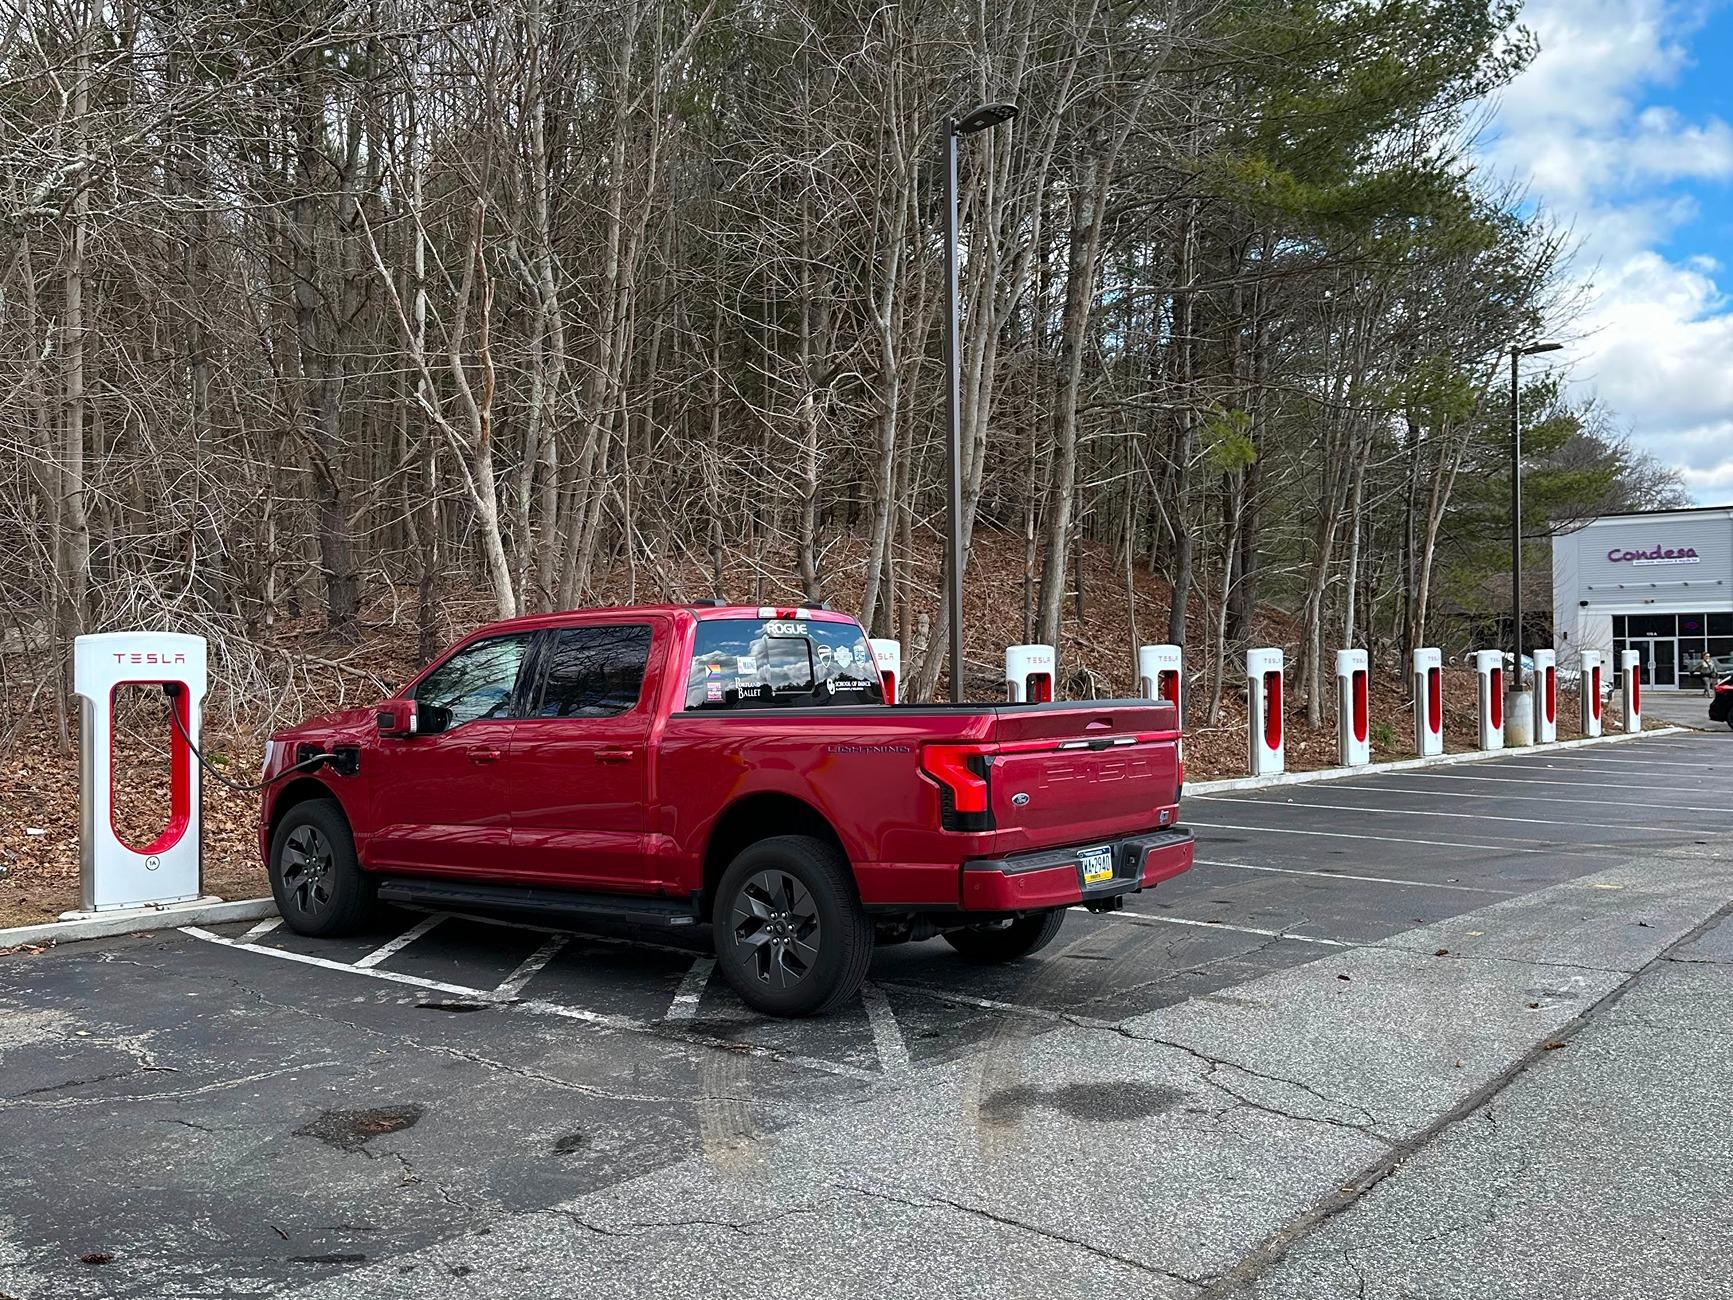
[309, 305]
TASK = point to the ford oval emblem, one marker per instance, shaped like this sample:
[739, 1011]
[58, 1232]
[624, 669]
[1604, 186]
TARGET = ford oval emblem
[1019, 800]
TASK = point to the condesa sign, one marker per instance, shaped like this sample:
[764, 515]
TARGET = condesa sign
[1654, 555]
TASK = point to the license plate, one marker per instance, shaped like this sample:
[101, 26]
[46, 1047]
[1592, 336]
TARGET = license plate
[1097, 865]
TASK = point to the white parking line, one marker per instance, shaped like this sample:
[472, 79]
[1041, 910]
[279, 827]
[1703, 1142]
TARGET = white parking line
[1343, 875]
[1433, 812]
[734, 1047]
[601, 1020]
[394, 977]
[1621, 760]
[887, 1034]
[260, 930]
[529, 968]
[401, 942]
[1535, 798]
[691, 990]
[1389, 839]
[1144, 918]
[1607, 770]
[991, 1004]
[1507, 782]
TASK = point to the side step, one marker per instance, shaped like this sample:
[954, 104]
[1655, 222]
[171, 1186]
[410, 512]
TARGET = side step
[453, 896]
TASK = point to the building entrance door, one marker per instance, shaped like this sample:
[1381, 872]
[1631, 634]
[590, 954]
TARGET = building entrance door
[1660, 661]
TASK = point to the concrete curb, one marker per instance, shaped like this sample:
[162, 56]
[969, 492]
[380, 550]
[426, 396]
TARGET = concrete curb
[1411, 764]
[201, 911]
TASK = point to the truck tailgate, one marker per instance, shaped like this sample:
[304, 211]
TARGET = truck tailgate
[1066, 775]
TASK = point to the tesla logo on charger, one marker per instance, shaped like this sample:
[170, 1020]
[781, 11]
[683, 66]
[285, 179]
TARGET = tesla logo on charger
[151, 657]
[1654, 555]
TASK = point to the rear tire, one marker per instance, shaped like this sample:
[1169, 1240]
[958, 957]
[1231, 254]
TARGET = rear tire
[791, 935]
[315, 877]
[989, 945]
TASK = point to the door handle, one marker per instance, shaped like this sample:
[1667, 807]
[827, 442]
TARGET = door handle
[613, 756]
[484, 754]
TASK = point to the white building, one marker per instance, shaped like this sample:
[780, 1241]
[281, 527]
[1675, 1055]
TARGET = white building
[1658, 582]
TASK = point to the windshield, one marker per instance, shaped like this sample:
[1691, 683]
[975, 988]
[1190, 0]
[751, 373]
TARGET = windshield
[749, 663]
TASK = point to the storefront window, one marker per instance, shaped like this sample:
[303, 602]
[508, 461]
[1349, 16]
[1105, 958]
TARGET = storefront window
[1642, 625]
[1721, 625]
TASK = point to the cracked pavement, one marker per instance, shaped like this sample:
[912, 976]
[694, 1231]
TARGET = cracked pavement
[1507, 1075]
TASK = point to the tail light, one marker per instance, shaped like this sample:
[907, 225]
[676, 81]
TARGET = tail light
[962, 774]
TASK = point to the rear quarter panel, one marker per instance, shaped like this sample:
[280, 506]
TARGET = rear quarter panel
[858, 767]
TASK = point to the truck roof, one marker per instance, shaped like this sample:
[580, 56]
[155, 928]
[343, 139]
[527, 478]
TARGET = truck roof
[530, 622]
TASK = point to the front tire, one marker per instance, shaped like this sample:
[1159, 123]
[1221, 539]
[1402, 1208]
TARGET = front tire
[990, 945]
[791, 935]
[315, 877]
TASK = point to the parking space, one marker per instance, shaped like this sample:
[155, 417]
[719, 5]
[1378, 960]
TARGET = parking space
[253, 1109]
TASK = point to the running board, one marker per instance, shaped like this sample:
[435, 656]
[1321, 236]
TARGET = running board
[450, 896]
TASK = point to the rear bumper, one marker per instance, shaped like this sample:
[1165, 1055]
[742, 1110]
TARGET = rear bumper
[1053, 878]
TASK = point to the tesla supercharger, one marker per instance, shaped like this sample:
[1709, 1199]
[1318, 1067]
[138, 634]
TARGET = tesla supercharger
[1428, 702]
[1589, 687]
[1545, 696]
[1489, 675]
[1029, 674]
[1630, 690]
[113, 873]
[889, 656]
[1160, 674]
[1353, 708]
[1267, 753]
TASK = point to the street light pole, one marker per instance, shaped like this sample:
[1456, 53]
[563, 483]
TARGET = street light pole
[1514, 687]
[976, 119]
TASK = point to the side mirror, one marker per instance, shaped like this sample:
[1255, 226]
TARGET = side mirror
[396, 718]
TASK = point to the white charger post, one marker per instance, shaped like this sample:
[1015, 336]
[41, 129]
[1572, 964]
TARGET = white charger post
[1489, 677]
[1428, 702]
[1161, 674]
[1029, 674]
[1353, 708]
[1264, 739]
[1630, 690]
[1545, 696]
[1589, 690]
[888, 654]
[113, 873]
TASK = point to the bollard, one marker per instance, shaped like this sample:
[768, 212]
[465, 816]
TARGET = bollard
[1630, 690]
[1267, 753]
[1029, 674]
[1428, 702]
[888, 655]
[114, 874]
[1489, 677]
[1353, 708]
[1160, 674]
[1589, 688]
[1545, 696]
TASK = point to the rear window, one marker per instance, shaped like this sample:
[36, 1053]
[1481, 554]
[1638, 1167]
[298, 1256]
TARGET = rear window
[749, 663]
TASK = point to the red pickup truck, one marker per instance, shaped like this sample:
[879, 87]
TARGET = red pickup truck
[735, 766]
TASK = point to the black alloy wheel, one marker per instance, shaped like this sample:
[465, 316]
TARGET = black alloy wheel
[791, 936]
[776, 921]
[316, 878]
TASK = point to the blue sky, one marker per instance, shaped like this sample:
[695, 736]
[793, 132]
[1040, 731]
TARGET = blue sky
[1621, 131]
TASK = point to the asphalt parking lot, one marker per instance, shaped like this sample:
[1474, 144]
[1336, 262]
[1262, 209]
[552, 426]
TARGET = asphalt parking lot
[1258, 1079]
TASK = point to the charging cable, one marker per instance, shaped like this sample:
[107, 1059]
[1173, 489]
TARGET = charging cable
[172, 690]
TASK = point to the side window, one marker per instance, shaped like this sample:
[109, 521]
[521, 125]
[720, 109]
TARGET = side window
[474, 683]
[593, 672]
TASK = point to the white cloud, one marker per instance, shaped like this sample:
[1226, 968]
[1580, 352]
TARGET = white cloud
[1655, 341]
